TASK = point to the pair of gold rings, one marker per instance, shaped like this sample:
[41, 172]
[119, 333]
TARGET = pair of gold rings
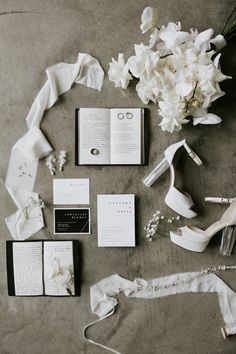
[128, 115]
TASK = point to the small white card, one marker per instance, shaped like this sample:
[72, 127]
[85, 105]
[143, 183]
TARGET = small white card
[71, 191]
[72, 221]
[116, 220]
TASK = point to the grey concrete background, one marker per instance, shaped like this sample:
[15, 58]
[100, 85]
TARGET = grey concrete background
[36, 34]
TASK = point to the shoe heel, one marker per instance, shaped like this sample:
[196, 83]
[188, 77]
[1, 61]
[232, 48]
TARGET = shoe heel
[228, 240]
[188, 244]
[193, 155]
[155, 172]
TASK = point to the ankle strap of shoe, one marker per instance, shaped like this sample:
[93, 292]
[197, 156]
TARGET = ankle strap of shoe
[219, 200]
[193, 155]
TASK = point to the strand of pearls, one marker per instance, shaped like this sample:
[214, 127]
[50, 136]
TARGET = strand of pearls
[203, 272]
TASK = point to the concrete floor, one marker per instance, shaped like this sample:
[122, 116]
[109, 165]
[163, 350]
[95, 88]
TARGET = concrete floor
[36, 34]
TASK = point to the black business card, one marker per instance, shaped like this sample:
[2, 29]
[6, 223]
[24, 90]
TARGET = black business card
[72, 221]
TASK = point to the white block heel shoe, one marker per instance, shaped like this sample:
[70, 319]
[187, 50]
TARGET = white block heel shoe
[195, 239]
[180, 202]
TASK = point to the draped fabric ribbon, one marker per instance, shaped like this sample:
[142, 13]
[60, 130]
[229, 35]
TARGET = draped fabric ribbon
[23, 163]
[103, 302]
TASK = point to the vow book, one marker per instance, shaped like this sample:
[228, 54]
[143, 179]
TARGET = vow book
[116, 220]
[109, 136]
[43, 268]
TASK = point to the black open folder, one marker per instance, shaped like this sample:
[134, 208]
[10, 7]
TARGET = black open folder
[43, 268]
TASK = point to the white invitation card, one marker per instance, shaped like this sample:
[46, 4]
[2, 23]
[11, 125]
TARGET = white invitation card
[71, 191]
[116, 220]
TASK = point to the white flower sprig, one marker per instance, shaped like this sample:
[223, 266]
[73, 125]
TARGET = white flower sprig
[29, 211]
[62, 159]
[155, 223]
[61, 276]
[178, 70]
[50, 163]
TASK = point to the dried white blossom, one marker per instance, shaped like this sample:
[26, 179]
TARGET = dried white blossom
[155, 222]
[34, 202]
[51, 163]
[62, 159]
[31, 209]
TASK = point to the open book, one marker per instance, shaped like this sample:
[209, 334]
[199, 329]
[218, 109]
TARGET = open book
[37, 268]
[109, 136]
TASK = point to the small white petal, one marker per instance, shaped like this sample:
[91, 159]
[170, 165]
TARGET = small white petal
[209, 118]
[172, 36]
[184, 88]
[216, 60]
[148, 19]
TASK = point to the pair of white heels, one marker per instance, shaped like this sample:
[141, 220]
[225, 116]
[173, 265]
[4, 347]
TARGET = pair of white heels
[190, 238]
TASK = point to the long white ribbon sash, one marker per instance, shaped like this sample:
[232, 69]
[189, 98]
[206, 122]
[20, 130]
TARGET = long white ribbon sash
[23, 163]
[103, 301]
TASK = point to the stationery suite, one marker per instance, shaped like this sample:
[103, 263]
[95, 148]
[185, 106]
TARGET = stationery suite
[116, 220]
[46, 268]
[71, 191]
[109, 136]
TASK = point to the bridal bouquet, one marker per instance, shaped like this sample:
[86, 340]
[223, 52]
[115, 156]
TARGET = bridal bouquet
[178, 70]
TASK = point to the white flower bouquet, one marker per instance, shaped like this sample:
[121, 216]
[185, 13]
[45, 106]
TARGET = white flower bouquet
[178, 70]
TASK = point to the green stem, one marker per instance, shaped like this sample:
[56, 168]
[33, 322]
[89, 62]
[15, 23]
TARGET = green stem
[192, 97]
[165, 56]
[231, 33]
[231, 14]
[231, 27]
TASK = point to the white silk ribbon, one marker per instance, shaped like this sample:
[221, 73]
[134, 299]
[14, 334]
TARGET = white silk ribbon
[103, 301]
[23, 162]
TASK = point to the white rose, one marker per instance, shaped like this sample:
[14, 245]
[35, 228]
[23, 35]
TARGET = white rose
[63, 278]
